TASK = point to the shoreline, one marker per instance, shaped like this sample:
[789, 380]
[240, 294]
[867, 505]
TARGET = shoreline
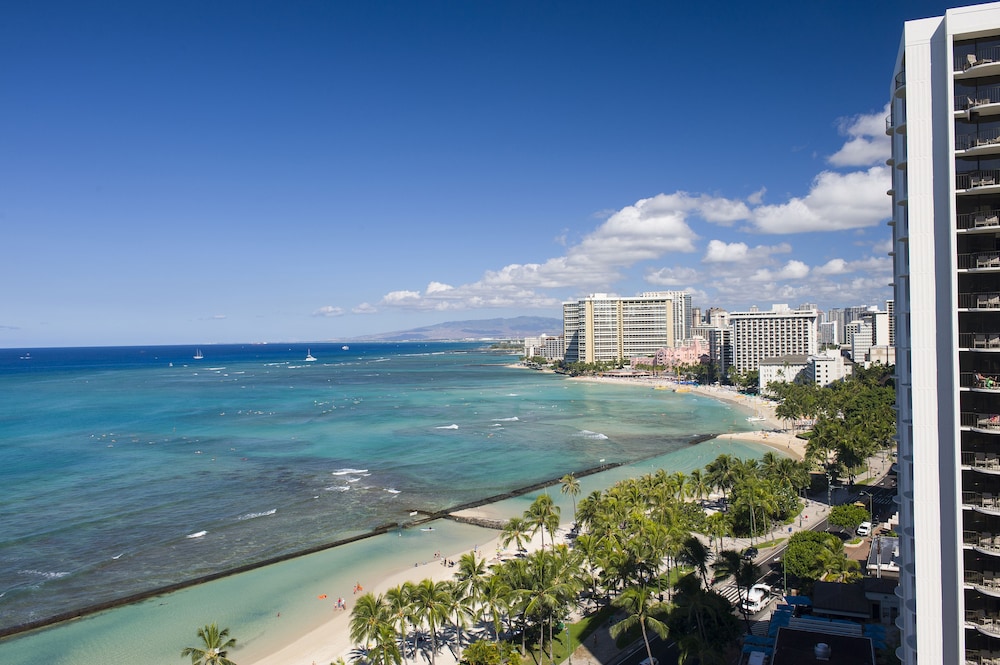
[330, 641]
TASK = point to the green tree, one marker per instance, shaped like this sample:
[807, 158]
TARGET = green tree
[515, 531]
[571, 486]
[848, 516]
[431, 604]
[543, 515]
[641, 610]
[214, 649]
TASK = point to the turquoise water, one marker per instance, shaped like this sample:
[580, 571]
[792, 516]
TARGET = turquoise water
[134, 468]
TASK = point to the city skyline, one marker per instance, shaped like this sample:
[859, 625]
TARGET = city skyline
[203, 174]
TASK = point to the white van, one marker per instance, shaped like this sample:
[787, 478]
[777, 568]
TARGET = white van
[864, 529]
[757, 598]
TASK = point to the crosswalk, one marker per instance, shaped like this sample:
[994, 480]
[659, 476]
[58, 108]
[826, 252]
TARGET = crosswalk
[730, 592]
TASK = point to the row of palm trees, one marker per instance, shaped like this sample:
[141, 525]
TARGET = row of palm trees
[635, 542]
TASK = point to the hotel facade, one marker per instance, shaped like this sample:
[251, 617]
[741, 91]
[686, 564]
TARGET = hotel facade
[605, 328]
[945, 131]
[781, 331]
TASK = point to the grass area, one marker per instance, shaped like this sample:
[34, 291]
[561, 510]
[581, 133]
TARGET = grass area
[578, 632]
[770, 543]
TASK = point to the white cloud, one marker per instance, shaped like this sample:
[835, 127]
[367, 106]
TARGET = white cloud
[665, 227]
[328, 310]
[836, 201]
[867, 143]
[739, 252]
[364, 308]
[677, 276]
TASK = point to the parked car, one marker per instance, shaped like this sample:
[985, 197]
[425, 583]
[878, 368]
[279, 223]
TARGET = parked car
[757, 598]
[864, 529]
[750, 553]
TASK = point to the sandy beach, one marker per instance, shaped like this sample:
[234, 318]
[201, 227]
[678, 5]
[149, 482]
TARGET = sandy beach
[331, 641]
[769, 432]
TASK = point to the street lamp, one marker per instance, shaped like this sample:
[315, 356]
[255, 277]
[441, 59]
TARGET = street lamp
[871, 509]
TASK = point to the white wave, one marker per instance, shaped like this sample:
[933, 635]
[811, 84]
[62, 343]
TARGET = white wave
[250, 516]
[338, 488]
[496, 425]
[197, 534]
[352, 480]
[346, 472]
[215, 369]
[511, 394]
[512, 419]
[452, 426]
[391, 490]
[43, 573]
[587, 434]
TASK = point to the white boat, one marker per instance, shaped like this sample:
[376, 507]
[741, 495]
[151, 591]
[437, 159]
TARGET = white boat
[309, 356]
[198, 355]
[345, 347]
[755, 419]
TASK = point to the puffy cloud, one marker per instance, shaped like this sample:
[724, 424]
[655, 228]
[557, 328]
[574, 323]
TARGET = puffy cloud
[739, 252]
[867, 142]
[832, 267]
[364, 308]
[328, 310]
[677, 276]
[836, 201]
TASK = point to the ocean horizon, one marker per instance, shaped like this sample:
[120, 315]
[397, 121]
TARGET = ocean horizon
[134, 468]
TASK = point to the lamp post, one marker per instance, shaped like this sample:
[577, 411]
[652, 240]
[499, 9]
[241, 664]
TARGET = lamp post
[871, 509]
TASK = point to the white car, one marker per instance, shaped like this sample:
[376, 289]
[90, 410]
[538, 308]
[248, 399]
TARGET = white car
[864, 529]
[757, 598]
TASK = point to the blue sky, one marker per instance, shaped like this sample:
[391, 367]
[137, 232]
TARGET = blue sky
[200, 172]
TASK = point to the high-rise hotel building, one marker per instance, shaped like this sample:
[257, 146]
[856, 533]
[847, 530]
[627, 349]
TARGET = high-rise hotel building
[945, 131]
[780, 331]
[603, 328]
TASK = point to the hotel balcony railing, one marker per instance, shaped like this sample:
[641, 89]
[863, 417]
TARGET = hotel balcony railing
[982, 56]
[984, 300]
[975, 179]
[900, 79]
[987, 340]
[980, 97]
[983, 421]
[979, 260]
[982, 657]
[979, 219]
[986, 582]
[983, 138]
[983, 541]
[985, 500]
[979, 381]
[984, 622]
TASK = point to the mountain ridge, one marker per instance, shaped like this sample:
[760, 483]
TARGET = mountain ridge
[498, 328]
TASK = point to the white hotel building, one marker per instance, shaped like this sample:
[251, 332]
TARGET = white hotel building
[945, 132]
[782, 331]
[604, 327]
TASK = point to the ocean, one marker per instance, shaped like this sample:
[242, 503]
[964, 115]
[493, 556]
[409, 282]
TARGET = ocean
[133, 468]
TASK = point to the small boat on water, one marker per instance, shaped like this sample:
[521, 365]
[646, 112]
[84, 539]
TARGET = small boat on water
[755, 419]
[345, 347]
[198, 355]
[309, 356]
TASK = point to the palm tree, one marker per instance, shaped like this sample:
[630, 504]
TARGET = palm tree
[542, 515]
[370, 615]
[460, 606]
[496, 599]
[698, 485]
[214, 647]
[400, 608]
[694, 552]
[515, 531]
[430, 602]
[637, 601]
[571, 486]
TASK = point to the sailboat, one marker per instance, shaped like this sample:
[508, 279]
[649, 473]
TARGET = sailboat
[198, 355]
[309, 356]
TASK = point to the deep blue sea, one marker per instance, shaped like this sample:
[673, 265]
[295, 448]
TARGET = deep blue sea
[125, 469]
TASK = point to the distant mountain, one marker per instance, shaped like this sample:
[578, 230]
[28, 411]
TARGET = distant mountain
[515, 328]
